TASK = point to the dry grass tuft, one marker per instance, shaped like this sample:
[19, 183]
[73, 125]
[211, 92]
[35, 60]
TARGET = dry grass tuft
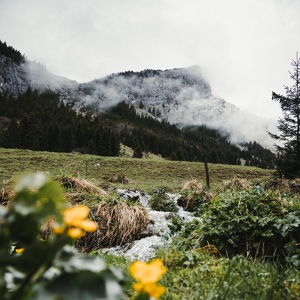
[80, 185]
[46, 228]
[211, 250]
[192, 185]
[284, 185]
[118, 179]
[5, 196]
[118, 224]
[237, 182]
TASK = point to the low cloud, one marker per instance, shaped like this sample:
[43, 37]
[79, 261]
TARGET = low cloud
[182, 96]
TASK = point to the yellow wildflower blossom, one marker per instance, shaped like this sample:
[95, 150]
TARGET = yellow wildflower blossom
[75, 233]
[153, 290]
[58, 230]
[148, 274]
[19, 250]
[75, 217]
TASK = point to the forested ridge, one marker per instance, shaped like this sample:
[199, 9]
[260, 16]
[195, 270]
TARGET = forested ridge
[12, 53]
[40, 121]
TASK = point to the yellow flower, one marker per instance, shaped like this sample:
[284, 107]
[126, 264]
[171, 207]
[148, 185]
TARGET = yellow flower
[148, 274]
[58, 230]
[75, 233]
[153, 290]
[20, 250]
[75, 217]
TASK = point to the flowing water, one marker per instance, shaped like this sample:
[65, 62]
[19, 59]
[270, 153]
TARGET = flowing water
[159, 233]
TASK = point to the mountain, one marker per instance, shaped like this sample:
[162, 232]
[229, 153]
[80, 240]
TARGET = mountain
[15, 78]
[180, 96]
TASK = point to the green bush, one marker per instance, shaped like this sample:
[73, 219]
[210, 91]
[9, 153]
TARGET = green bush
[160, 202]
[195, 201]
[255, 223]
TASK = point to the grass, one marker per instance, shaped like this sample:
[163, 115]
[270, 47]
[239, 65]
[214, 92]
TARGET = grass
[196, 275]
[200, 276]
[121, 172]
[192, 274]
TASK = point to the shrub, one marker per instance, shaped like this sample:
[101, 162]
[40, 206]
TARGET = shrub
[255, 223]
[195, 201]
[160, 202]
[163, 204]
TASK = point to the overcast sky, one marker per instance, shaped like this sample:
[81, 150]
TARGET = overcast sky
[243, 47]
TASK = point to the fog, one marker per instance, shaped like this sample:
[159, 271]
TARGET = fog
[244, 48]
[181, 96]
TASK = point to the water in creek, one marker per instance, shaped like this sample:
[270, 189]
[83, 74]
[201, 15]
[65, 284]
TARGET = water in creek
[159, 233]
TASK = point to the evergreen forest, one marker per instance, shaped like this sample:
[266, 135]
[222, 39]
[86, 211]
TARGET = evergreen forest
[12, 53]
[40, 121]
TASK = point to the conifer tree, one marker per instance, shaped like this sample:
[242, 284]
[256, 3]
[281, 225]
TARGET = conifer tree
[288, 159]
[137, 152]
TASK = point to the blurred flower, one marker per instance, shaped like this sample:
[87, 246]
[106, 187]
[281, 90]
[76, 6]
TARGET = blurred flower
[19, 250]
[75, 233]
[76, 218]
[148, 274]
[153, 290]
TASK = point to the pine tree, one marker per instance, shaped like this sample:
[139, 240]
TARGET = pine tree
[12, 135]
[288, 161]
[137, 152]
[92, 147]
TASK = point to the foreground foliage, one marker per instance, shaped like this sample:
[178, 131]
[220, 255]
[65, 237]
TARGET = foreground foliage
[32, 268]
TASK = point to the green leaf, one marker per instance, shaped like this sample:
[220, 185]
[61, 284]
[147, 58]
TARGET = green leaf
[81, 285]
[295, 260]
[31, 181]
[69, 260]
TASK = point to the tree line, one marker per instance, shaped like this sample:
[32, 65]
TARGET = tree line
[14, 54]
[192, 143]
[40, 121]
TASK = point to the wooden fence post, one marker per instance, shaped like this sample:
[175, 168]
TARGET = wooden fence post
[206, 173]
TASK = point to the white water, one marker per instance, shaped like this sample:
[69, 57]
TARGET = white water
[160, 234]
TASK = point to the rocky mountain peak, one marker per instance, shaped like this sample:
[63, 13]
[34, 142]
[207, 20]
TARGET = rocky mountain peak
[13, 77]
[181, 96]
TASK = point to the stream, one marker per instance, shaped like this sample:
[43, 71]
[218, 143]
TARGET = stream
[160, 235]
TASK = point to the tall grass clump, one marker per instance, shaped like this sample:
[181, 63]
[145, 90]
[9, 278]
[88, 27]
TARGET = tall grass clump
[118, 223]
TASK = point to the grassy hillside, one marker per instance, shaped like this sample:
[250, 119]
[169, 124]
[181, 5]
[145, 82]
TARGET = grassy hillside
[198, 266]
[144, 174]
